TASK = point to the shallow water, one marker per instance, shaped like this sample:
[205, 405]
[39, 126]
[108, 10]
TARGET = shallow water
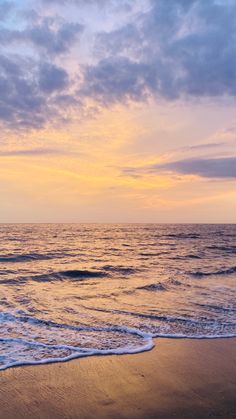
[72, 290]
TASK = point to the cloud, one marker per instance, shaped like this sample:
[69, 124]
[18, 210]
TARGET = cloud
[30, 152]
[206, 145]
[48, 34]
[169, 49]
[20, 101]
[5, 7]
[34, 88]
[51, 37]
[223, 167]
[31, 92]
[127, 4]
[177, 48]
[52, 78]
[114, 80]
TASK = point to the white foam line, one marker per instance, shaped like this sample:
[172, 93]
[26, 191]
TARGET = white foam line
[181, 336]
[83, 352]
[87, 352]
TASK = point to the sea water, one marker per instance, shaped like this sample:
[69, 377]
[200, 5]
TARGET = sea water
[72, 290]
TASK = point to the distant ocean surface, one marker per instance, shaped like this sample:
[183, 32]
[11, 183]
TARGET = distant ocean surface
[71, 290]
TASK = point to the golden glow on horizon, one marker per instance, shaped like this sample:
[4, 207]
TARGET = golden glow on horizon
[82, 172]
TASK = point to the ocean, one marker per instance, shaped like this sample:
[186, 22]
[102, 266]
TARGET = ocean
[73, 290]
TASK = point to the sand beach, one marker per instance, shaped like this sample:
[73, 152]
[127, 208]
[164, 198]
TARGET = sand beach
[179, 378]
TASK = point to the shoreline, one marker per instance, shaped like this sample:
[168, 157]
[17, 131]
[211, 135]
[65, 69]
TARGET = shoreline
[179, 377]
[149, 347]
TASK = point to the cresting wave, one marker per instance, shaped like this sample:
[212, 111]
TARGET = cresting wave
[68, 291]
[13, 258]
[21, 351]
[42, 353]
[72, 274]
[227, 271]
[107, 270]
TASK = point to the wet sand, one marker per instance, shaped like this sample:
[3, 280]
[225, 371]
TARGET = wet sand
[179, 378]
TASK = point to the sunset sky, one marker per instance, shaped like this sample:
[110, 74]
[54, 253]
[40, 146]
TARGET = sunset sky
[118, 111]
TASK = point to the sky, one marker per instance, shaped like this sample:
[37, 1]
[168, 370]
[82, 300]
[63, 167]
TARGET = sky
[118, 111]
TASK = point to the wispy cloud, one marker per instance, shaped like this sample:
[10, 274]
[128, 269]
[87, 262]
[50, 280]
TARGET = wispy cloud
[224, 167]
[31, 152]
[206, 146]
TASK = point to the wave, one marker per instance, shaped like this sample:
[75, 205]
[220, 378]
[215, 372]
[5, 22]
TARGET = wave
[227, 271]
[44, 353]
[25, 257]
[83, 352]
[82, 274]
[124, 270]
[182, 236]
[217, 308]
[228, 249]
[153, 287]
[10, 281]
[153, 254]
[183, 257]
[77, 353]
[192, 256]
[160, 286]
[31, 352]
[175, 282]
[71, 274]
[25, 318]
[117, 290]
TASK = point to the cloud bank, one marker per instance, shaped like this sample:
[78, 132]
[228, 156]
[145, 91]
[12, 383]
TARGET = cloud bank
[222, 167]
[177, 48]
[169, 50]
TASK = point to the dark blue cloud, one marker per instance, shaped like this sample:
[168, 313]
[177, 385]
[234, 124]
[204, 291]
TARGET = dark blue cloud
[52, 78]
[178, 48]
[174, 49]
[222, 167]
[115, 79]
[30, 91]
[33, 88]
[48, 35]
[53, 39]
[21, 102]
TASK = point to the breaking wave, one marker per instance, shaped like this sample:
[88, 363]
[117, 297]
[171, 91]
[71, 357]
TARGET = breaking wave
[68, 291]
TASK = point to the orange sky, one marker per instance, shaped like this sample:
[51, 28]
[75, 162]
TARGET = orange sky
[87, 149]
